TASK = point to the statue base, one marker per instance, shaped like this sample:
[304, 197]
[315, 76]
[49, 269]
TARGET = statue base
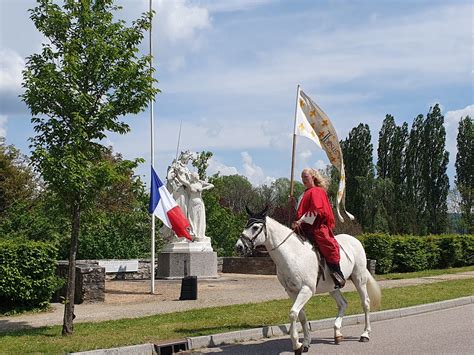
[184, 246]
[180, 259]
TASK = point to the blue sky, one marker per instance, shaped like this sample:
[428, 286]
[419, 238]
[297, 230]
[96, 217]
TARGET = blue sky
[228, 70]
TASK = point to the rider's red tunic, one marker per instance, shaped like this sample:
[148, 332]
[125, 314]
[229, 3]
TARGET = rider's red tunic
[315, 199]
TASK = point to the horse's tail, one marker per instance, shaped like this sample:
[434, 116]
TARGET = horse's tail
[375, 294]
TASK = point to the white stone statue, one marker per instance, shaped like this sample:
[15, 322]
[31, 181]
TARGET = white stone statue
[186, 188]
[176, 172]
[196, 209]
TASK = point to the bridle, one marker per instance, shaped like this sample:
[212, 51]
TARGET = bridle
[249, 224]
[251, 241]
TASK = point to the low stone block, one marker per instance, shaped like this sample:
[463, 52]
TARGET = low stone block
[177, 265]
[199, 342]
[89, 284]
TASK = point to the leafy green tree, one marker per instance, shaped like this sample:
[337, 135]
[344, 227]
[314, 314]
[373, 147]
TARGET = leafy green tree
[393, 140]
[357, 151]
[415, 215]
[201, 163]
[18, 181]
[225, 211]
[465, 170]
[436, 181]
[88, 75]
[234, 192]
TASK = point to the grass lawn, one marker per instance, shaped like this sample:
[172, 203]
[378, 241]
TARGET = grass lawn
[191, 323]
[424, 273]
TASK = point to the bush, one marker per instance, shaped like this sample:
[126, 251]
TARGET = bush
[414, 253]
[114, 235]
[379, 247]
[27, 274]
[451, 252]
[409, 254]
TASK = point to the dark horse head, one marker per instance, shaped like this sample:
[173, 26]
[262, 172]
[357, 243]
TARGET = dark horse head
[253, 236]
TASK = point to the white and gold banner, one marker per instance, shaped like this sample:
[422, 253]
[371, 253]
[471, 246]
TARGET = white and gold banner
[313, 123]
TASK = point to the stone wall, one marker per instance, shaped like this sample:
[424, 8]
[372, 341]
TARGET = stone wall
[89, 285]
[249, 265]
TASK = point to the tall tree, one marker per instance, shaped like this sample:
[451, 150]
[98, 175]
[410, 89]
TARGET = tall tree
[436, 181]
[390, 159]
[88, 75]
[465, 170]
[17, 180]
[414, 196]
[357, 150]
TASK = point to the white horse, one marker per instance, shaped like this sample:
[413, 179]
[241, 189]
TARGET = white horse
[298, 268]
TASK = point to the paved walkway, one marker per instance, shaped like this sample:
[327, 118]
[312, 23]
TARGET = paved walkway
[132, 299]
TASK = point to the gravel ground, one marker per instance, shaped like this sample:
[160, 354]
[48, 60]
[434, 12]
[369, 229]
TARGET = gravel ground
[131, 299]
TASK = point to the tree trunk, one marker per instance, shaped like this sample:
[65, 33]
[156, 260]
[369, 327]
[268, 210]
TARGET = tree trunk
[71, 278]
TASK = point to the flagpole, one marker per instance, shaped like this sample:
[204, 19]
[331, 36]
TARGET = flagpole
[152, 143]
[294, 146]
[291, 199]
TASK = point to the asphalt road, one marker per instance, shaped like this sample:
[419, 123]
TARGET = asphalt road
[449, 331]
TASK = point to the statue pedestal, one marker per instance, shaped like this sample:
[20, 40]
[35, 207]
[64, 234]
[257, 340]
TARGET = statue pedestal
[177, 260]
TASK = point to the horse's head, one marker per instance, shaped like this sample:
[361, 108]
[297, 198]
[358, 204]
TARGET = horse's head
[254, 234]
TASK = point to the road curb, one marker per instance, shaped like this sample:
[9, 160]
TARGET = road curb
[219, 339]
[281, 330]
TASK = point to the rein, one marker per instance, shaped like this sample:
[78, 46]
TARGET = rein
[264, 227]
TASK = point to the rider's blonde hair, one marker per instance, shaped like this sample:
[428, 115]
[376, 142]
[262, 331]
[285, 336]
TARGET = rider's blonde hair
[318, 178]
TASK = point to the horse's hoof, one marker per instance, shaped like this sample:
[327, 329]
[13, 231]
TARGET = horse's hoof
[363, 339]
[338, 339]
[299, 351]
[305, 349]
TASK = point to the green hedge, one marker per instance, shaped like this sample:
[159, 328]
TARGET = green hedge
[412, 253]
[27, 274]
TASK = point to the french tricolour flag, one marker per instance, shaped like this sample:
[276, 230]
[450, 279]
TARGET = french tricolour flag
[163, 206]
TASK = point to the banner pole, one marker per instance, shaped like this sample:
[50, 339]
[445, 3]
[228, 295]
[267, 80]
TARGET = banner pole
[292, 183]
[294, 146]
[152, 143]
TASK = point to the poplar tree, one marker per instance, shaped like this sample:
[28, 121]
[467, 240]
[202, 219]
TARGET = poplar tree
[465, 170]
[414, 194]
[436, 181]
[357, 151]
[391, 179]
[88, 75]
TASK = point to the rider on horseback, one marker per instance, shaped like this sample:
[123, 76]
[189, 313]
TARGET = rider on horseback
[315, 219]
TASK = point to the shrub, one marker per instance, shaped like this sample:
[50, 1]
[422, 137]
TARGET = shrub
[409, 254]
[114, 235]
[451, 252]
[414, 253]
[379, 247]
[27, 274]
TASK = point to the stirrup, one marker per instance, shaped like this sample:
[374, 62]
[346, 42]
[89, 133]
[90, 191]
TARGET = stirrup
[338, 280]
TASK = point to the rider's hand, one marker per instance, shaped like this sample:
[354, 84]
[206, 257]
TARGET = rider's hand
[296, 226]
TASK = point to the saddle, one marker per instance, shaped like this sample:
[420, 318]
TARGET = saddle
[321, 260]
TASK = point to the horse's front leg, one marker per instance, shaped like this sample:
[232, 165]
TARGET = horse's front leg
[303, 296]
[305, 326]
[341, 309]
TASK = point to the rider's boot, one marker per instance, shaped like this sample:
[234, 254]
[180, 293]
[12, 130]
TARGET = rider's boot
[337, 275]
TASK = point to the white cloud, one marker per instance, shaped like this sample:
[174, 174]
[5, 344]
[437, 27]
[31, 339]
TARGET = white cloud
[233, 5]
[178, 30]
[218, 167]
[401, 53]
[3, 128]
[253, 172]
[179, 20]
[320, 165]
[11, 66]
